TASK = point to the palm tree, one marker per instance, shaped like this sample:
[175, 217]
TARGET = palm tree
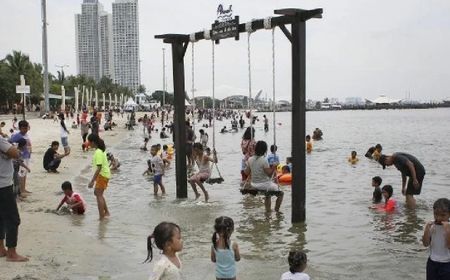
[18, 63]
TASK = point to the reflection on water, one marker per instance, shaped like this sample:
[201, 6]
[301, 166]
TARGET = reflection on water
[344, 239]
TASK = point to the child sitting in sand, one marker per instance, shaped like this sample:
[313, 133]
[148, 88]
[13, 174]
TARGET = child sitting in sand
[297, 264]
[73, 200]
[353, 159]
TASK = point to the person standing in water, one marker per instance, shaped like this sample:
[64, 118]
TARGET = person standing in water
[102, 174]
[409, 166]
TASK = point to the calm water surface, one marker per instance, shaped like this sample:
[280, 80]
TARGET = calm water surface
[342, 237]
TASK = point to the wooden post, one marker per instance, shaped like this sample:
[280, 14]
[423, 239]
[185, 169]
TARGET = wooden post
[179, 118]
[298, 122]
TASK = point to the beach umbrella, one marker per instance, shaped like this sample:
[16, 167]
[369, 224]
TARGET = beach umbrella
[96, 99]
[63, 98]
[104, 102]
[76, 99]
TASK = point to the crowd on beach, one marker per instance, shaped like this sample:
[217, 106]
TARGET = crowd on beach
[262, 173]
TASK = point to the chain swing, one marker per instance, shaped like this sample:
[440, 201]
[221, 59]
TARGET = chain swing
[214, 180]
[192, 39]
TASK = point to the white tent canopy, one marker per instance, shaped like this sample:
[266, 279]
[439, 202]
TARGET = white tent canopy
[383, 99]
[130, 102]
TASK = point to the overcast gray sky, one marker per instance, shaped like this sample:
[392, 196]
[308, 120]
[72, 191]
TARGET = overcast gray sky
[360, 48]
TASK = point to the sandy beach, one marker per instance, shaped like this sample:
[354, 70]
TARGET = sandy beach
[56, 248]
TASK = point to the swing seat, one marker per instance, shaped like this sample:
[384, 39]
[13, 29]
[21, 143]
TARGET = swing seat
[256, 192]
[212, 181]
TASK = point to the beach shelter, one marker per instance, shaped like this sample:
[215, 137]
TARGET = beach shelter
[130, 105]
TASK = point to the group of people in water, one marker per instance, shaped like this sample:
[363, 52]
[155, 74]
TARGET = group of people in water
[260, 171]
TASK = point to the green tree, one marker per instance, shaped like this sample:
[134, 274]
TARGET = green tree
[7, 85]
[18, 63]
[158, 96]
[141, 89]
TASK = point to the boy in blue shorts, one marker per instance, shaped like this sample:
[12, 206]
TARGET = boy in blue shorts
[157, 165]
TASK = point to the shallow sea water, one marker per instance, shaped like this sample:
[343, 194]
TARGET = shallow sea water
[342, 237]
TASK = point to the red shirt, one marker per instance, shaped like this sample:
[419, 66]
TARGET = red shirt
[75, 198]
[389, 206]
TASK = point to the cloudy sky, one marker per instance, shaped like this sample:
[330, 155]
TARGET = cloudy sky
[360, 48]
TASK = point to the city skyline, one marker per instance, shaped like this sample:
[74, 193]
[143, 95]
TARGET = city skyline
[358, 49]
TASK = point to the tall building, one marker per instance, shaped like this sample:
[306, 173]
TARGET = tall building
[125, 30]
[87, 39]
[106, 46]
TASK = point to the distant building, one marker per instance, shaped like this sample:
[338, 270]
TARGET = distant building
[356, 101]
[87, 37]
[108, 45]
[125, 30]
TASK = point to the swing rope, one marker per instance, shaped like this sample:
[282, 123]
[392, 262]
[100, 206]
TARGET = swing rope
[192, 40]
[213, 96]
[248, 28]
[193, 87]
[213, 57]
[268, 25]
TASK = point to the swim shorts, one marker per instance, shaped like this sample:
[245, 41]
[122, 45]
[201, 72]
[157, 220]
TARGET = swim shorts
[101, 182]
[410, 189]
[64, 142]
[202, 177]
[157, 179]
[189, 150]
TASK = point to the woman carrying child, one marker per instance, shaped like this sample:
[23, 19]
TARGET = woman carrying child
[204, 169]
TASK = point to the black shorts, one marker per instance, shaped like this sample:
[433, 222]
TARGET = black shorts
[188, 150]
[410, 189]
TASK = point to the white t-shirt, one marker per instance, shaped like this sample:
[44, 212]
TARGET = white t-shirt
[294, 276]
[439, 252]
[157, 165]
[64, 133]
[257, 165]
[164, 269]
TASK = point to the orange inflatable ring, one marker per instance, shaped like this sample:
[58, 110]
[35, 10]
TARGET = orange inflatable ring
[285, 178]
